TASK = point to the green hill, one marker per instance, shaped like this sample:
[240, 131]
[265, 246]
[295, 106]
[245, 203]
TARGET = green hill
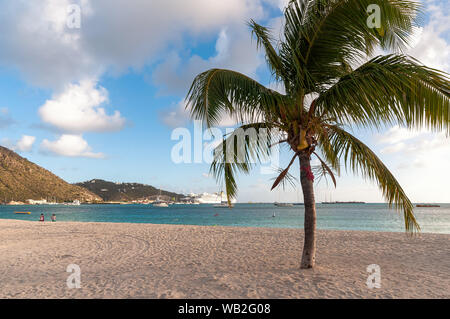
[110, 191]
[21, 179]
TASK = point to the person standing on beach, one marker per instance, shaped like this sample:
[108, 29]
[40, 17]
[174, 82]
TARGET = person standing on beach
[53, 218]
[41, 218]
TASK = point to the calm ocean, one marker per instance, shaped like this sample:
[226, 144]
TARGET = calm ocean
[371, 217]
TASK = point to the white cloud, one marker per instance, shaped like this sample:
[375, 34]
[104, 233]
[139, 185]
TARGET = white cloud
[134, 34]
[421, 164]
[395, 148]
[431, 45]
[113, 38]
[77, 109]
[69, 146]
[25, 144]
[36, 40]
[398, 134]
[280, 4]
[176, 116]
[234, 50]
[415, 148]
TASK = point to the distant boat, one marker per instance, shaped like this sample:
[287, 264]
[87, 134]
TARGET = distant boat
[76, 202]
[161, 204]
[24, 213]
[283, 204]
[427, 205]
[298, 204]
[223, 203]
[206, 198]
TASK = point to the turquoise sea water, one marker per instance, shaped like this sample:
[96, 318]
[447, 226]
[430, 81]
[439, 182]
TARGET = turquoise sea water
[371, 217]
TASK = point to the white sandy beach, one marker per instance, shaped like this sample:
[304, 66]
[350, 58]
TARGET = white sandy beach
[168, 261]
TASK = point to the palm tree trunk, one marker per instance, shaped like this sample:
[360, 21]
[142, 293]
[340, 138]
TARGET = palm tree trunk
[307, 181]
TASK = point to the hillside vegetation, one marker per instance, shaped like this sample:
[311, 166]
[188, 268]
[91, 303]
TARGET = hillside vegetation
[110, 191]
[21, 179]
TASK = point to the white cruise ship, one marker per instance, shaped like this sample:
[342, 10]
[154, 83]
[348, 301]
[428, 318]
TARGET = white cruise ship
[207, 198]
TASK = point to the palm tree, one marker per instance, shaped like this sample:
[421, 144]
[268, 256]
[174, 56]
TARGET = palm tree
[330, 85]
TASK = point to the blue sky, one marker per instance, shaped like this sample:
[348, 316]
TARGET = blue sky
[102, 100]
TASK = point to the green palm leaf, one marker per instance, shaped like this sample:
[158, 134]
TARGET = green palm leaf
[218, 92]
[264, 40]
[239, 152]
[362, 160]
[322, 36]
[392, 89]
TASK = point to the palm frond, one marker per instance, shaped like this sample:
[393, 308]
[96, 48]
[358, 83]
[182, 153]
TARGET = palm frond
[264, 39]
[219, 92]
[392, 89]
[362, 160]
[325, 36]
[287, 178]
[323, 170]
[284, 174]
[239, 152]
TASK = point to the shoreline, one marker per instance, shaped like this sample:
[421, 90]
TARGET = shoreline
[132, 260]
[408, 235]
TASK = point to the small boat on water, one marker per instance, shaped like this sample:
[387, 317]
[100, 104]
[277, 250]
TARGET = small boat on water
[160, 204]
[223, 202]
[223, 205]
[427, 205]
[76, 202]
[24, 213]
[283, 204]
